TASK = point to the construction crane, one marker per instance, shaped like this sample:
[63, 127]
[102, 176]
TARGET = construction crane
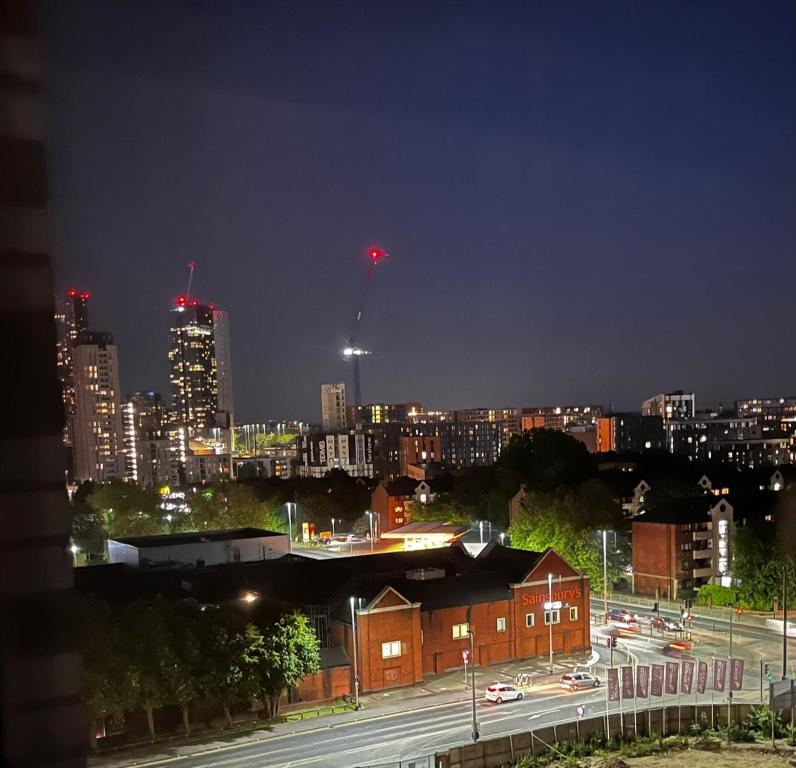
[352, 351]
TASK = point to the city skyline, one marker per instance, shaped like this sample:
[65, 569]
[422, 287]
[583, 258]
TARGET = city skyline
[574, 212]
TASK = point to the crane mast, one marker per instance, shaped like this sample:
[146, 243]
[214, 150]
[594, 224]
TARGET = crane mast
[353, 352]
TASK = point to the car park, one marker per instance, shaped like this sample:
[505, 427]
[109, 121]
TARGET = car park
[575, 680]
[500, 692]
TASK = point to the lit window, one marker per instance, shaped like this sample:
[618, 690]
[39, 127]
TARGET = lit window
[552, 617]
[391, 650]
[501, 624]
[529, 620]
[460, 631]
[573, 614]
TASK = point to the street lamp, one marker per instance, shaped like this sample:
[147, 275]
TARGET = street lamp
[474, 734]
[605, 577]
[249, 597]
[481, 529]
[370, 519]
[289, 504]
[74, 549]
[354, 638]
[502, 539]
[550, 616]
[332, 527]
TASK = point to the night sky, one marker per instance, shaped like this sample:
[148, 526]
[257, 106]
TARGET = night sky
[583, 201]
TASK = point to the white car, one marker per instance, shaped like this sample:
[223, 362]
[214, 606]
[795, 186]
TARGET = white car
[500, 692]
[574, 680]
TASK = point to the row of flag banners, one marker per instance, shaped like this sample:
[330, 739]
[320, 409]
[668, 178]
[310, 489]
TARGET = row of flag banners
[672, 678]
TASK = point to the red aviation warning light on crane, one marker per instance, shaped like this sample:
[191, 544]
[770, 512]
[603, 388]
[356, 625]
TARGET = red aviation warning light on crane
[352, 351]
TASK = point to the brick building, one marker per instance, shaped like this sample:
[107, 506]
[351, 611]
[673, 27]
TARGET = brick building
[413, 610]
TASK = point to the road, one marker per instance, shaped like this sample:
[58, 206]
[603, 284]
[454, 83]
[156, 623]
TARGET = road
[370, 738]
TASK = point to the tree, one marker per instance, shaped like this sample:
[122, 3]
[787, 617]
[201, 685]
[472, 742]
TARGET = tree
[126, 509]
[446, 510]
[105, 690]
[183, 660]
[543, 459]
[148, 648]
[231, 649]
[565, 521]
[291, 653]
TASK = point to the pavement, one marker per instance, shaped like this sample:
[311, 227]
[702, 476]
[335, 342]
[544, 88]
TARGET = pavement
[443, 696]
[437, 714]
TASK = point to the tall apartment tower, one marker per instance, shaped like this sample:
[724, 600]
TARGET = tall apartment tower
[97, 424]
[146, 443]
[194, 367]
[333, 407]
[71, 319]
[226, 405]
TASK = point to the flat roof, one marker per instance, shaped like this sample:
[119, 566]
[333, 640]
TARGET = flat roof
[195, 537]
[425, 528]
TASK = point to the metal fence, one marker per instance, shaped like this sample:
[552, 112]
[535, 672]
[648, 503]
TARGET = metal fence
[427, 761]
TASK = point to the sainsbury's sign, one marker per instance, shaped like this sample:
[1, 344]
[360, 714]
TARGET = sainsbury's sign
[562, 595]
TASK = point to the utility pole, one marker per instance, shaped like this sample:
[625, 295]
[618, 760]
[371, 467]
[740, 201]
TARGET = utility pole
[784, 623]
[354, 638]
[605, 577]
[550, 616]
[475, 733]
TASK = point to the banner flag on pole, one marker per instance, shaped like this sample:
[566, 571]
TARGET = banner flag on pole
[672, 669]
[702, 676]
[613, 684]
[628, 689]
[686, 676]
[642, 682]
[719, 674]
[656, 688]
[736, 674]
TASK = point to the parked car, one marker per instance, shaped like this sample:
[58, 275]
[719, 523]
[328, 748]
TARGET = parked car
[500, 692]
[575, 680]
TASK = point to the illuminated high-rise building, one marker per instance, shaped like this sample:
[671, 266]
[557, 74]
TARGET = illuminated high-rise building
[97, 423]
[146, 443]
[201, 392]
[71, 319]
[194, 367]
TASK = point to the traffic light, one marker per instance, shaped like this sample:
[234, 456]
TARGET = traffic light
[611, 642]
[655, 607]
[767, 672]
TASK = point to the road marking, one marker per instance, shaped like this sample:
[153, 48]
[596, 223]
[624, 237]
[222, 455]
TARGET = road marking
[546, 712]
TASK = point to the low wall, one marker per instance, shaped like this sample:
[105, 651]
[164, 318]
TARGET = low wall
[671, 720]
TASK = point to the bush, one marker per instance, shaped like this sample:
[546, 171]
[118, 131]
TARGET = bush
[759, 725]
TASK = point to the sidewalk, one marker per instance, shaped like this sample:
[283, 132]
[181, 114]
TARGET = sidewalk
[450, 687]
[437, 691]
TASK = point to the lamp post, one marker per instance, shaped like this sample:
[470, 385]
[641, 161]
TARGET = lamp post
[289, 527]
[550, 616]
[502, 539]
[481, 529]
[784, 624]
[370, 519]
[354, 638]
[605, 577]
[74, 549]
[332, 527]
[474, 734]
